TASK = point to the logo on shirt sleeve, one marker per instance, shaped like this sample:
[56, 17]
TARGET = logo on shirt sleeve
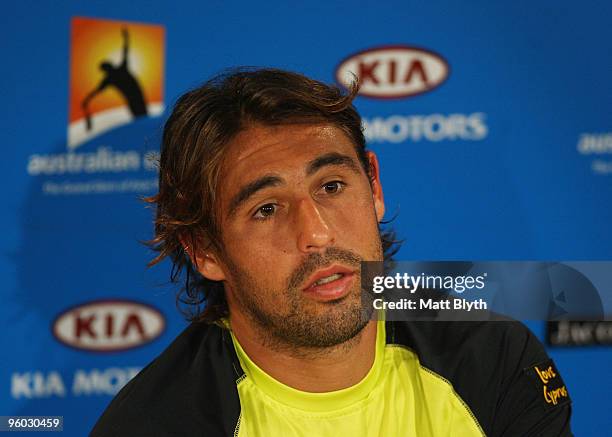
[549, 383]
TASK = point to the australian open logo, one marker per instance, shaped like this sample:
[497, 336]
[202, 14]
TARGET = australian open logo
[116, 76]
[116, 81]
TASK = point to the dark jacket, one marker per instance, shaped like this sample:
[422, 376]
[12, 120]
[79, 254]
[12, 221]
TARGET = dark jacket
[190, 389]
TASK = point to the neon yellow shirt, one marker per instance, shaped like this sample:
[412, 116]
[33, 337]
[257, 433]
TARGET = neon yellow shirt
[398, 397]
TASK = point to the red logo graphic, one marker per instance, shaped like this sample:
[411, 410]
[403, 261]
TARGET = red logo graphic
[116, 75]
[109, 325]
[393, 72]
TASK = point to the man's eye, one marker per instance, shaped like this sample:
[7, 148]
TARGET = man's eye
[333, 187]
[265, 211]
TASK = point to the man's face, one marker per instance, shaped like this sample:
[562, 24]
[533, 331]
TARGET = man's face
[297, 215]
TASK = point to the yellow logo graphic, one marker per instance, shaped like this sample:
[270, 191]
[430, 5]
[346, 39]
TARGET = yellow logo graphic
[546, 375]
[552, 396]
[116, 75]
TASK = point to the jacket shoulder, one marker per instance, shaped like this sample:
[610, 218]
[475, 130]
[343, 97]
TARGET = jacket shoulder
[491, 366]
[189, 386]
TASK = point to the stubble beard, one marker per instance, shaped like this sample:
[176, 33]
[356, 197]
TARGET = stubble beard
[298, 327]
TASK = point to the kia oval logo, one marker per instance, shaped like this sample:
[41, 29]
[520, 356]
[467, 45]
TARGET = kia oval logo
[393, 72]
[109, 325]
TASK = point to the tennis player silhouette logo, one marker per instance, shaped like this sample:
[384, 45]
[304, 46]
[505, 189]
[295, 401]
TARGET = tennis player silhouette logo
[116, 77]
[123, 80]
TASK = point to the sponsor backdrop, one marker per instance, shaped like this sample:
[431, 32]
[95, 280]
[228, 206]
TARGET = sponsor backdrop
[491, 120]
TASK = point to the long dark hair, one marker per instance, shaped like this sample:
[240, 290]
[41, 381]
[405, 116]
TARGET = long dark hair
[202, 122]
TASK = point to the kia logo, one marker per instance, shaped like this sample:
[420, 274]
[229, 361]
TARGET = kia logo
[393, 72]
[109, 325]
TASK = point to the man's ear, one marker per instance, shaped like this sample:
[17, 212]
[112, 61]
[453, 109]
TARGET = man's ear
[377, 193]
[204, 260]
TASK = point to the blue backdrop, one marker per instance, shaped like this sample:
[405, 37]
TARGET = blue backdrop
[509, 157]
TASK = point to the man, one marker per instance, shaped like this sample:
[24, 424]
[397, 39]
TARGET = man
[268, 202]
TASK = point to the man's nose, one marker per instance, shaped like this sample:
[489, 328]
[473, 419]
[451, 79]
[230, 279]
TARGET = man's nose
[313, 232]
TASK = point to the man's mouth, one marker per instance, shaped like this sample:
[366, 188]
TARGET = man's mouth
[330, 283]
[329, 279]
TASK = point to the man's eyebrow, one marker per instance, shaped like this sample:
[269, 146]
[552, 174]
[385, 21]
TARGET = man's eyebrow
[332, 159]
[251, 188]
[329, 159]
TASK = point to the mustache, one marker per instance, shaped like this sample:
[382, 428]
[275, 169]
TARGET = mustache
[316, 261]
